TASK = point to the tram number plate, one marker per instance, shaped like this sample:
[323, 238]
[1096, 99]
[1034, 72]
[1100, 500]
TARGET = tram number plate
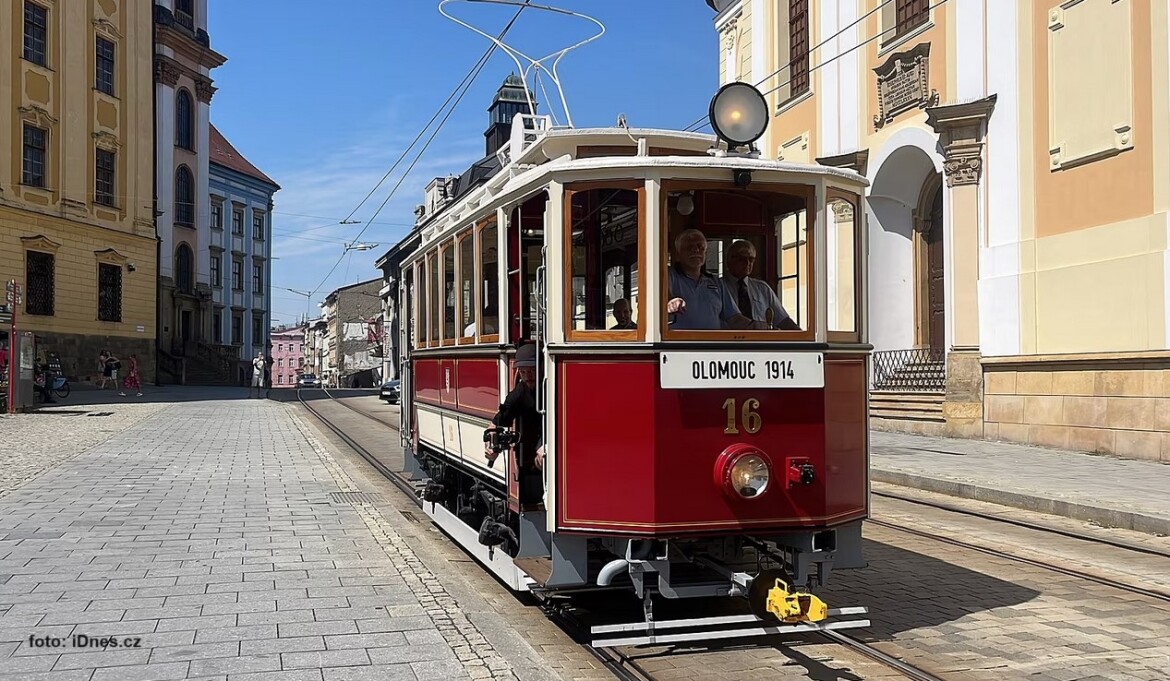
[741, 370]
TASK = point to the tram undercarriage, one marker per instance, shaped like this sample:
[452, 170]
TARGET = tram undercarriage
[776, 574]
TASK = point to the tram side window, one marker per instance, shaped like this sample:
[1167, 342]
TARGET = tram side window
[489, 278]
[411, 306]
[792, 231]
[604, 227]
[842, 253]
[449, 292]
[420, 308]
[467, 285]
[435, 296]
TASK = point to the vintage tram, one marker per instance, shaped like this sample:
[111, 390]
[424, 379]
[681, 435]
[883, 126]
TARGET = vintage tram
[681, 460]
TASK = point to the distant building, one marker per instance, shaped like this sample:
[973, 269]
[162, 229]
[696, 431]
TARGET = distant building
[288, 359]
[240, 245]
[350, 312]
[76, 192]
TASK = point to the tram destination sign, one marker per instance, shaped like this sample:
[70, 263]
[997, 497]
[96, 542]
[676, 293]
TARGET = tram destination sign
[688, 370]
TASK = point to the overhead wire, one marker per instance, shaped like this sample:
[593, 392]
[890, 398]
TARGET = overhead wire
[465, 84]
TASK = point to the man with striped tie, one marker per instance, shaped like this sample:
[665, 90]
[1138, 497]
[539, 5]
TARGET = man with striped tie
[756, 300]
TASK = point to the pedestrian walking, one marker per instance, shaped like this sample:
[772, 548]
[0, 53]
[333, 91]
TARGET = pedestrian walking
[113, 364]
[104, 369]
[133, 381]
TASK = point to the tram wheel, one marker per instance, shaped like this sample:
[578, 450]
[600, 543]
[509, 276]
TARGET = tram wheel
[758, 593]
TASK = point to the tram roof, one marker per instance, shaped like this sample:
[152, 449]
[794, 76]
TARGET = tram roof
[556, 153]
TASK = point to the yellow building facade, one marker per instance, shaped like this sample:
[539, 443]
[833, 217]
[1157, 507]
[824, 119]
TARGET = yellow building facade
[76, 176]
[1019, 208]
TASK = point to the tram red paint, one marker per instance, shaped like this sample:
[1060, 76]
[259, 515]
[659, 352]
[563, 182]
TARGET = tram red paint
[448, 383]
[478, 381]
[427, 380]
[653, 452]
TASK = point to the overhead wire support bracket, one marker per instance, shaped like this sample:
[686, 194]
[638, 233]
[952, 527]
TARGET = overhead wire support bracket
[534, 65]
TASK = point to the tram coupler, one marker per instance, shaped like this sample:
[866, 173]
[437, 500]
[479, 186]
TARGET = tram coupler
[795, 606]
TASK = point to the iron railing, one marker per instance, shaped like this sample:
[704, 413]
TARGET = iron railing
[914, 370]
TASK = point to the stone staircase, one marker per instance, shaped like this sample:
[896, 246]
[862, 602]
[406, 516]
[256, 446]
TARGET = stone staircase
[908, 390]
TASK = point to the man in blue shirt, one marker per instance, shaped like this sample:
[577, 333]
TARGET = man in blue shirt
[698, 300]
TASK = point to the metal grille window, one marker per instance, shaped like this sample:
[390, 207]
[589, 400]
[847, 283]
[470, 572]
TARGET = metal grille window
[185, 13]
[216, 270]
[35, 148]
[238, 275]
[104, 78]
[797, 47]
[184, 125]
[109, 292]
[36, 32]
[257, 225]
[103, 191]
[910, 15]
[184, 198]
[184, 269]
[39, 275]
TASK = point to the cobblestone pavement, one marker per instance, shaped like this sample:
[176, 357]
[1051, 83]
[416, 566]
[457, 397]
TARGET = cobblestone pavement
[33, 443]
[210, 536]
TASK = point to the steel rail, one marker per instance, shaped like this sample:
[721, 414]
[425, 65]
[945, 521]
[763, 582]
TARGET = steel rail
[1070, 572]
[355, 410]
[390, 475]
[1025, 524]
[906, 669]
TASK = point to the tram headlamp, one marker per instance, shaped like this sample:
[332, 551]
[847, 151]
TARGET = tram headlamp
[743, 472]
[739, 114]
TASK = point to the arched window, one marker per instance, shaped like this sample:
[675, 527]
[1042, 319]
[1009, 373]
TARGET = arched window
[184, 125]
[184, 198]
[184, 269]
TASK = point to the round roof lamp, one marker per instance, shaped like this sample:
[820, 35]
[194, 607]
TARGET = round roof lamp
[739, 114]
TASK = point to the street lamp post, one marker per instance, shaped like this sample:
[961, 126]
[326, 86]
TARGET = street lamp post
[308, 299]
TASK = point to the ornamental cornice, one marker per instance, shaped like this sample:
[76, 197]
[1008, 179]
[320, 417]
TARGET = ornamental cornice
[37, 115]
[961, 128]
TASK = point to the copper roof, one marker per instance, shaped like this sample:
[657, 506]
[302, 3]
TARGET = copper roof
[224, 154]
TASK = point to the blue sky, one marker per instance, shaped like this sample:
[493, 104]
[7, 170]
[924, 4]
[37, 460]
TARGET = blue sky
[323, 97]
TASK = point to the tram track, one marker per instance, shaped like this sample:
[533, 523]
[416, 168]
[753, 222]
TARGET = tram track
[622, 665]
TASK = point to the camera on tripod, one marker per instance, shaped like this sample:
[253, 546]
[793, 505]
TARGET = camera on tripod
[500, 440]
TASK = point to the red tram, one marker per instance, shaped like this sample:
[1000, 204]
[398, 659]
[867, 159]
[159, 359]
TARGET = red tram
[681, 460]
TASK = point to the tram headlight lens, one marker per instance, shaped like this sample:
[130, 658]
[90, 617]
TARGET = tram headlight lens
[749, 476]
[739, 114]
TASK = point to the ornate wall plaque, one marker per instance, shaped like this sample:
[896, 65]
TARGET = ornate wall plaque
[902, 83]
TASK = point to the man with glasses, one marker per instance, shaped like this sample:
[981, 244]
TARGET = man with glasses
[755, 299]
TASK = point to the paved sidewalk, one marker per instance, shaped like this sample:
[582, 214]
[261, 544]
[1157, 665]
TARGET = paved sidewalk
[210, 541]
[1106, 490]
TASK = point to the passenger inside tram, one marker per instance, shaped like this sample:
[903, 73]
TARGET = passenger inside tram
[622, 315]
[698, 300]
[756, 300]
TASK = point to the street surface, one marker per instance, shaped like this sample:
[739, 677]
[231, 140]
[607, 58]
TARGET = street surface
[213, 537]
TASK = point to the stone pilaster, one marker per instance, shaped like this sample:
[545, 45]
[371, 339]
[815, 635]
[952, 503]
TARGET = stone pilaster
[961, 128]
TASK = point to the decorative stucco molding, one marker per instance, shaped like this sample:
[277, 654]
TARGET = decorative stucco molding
[166, 71]
[961, 128]
[204, 90]
[37, 115]
[857, 161]
[107, 28]
[110, 257]
[903, 84]
[106, 140]
[40, 243]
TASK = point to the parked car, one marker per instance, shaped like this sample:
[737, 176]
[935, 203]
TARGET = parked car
[391, 391]
[308, 381]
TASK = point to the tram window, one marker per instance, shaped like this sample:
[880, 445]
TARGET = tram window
[449, 292]
[604, 260]
[420, 309]
[792, 231]
[436, 293]
[467, 285]
[489, 276]
[842, 256]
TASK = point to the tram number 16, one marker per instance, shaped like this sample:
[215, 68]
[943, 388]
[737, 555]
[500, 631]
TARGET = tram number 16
[749, 417]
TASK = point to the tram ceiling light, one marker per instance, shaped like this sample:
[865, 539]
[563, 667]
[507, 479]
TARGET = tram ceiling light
[686, 203]
[739, 114]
